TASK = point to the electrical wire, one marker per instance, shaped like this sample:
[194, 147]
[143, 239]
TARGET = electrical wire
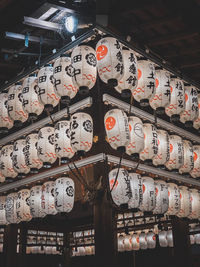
[120, 161]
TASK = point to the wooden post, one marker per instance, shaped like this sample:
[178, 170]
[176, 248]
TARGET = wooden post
[10, 245]
[66, 250]
[22, 245]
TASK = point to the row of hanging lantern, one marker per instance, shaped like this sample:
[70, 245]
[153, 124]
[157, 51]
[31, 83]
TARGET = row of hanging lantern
[48, 250]
[150, 144]
[83, 251]
[147, 194]
[41, 200]
[43, 148]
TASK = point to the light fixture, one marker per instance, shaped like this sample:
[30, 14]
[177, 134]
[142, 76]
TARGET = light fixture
[71, 24]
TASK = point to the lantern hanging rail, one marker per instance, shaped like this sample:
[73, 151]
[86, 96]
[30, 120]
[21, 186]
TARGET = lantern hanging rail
[107, 99]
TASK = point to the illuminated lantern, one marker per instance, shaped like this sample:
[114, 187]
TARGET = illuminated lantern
[162, 237]
[6, 162]
[48, 204]
[18, 157]
[35, 202]
[143, 241]
[31, 155]
[196, 123]
[170, 238]
[162, 199]
[129, 80]
[15, 105]
[177, 100]
[6, 122]
[163, 149]
[46, 146]
[10, 207]
[135, 242]
[84, 63]
[162, 94]
[185, 202]
[121, 192]
[188, 159]
[150, 143]
[81, 132]
[195, 204]
[127, 243]
[3, 220]
[46, 91]
[117, 129]
[192, 239]
[62, 141]
[30, 98]
[195, 172]
[197, 239]
[151, 240]
[176, 153]
[64, 193]
[62, 73]
[146, 83]
[174, 199]
[22, 205]
[109, 60]
[136, 190]
[148, 194]
[2, 178]
[191, 106]
[136, 144]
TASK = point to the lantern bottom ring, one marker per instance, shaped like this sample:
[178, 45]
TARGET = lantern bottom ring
[188, 124]
[34, 170]
[144, 102]
[160, 110]
[3, 130]
[135, 156]
[32, 117]
[18, 123]
[126, 93]
[121, 149]
[48, 107]
[64, 160]
[47, 165]
[175, 118]
[112, 82]
[83, 90]
[65, 100]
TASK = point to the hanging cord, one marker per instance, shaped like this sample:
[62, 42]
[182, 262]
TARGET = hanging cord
[50, 116]
[130, 105]
[120, 161]
[81, 176]
[138, 163]
[155, 117]
[40, 51]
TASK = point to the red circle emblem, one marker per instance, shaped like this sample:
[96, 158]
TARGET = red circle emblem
[110, 123]
[101, 51]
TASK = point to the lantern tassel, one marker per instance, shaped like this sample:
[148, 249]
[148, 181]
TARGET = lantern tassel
[117, 173]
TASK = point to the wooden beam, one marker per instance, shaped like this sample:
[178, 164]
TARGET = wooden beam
[182, 52]
[190, 65]
[157, 22]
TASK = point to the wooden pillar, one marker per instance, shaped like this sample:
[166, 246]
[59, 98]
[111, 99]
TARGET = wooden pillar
[22, 245]
[66, 250]
[10, 246]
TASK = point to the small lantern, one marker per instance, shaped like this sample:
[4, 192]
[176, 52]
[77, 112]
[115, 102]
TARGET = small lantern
[196, 123]
[3, 220]
[6, 122]
[6, 162]
[10, 207]
[143, 241]
[185, 202]
[148, 193]
[195, 172]
[192, 240]
[188, 159]
[22, 205]
[136, 190]
[174, 199]
[135, 242]
[197, 239]
[35, 202]
[48, 205]
[84, 64]
[162, 198]
[195, 204]
[127, 243]
[151, 240]
[170, 238]
[162, 236]
[163, 149]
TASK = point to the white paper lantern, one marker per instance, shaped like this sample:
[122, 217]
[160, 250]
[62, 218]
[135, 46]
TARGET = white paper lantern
[163, 149]
[174, 199]
[146, 83]
[84, 63]
[185, 202]
[143, 241]
[15, 105]
[6, 162]
[162, 236]
[62, 73]
[176, 153]
[46, 146]
[136, 190]
[35, 202]
[135, 242]
[129, 80]
[162, 94]
[46, 91]
[150, 143]
[10, 207]
[3, 220]
[162, 198]
[188, 158]
[151, 240]
[196, 123]
[64, 191]
[62, 141]
[149, 197]
[110, 63]
[136, 144]
[22, 205]
[197, 239]
[30, 98]
[177, 100]
[2, 178]
[81, 132]
[127, 243]
[170, 238]
[195, 172]
[6, 122]
[48, 204]
[18, 157]
[192, 239]
[195, 204]
[117, 129]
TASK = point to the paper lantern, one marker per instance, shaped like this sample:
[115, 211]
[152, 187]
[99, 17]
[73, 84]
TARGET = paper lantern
[127, 243]
[162, 237]
[3, 220]
[10, 207]
[48, 204]
[121, 192]
[117, 129]
[177, 100]
[161, 98]
[185, 202]
[136, 144]
[176, 153]
[146, 83]
[195, 204]
[22, 205]
[197, 239]
[64, 191]
[170, 238]
[2, 178]
[62, 141]
[6, 162]
[143, 241]
[162, 199]
[129, 80]
[30, 98]
[163, 149]
[62, 73]
[135, 242]
[35, 202]
[47, 93]
[84, 63]
[6, 122]
[196, 123]
[46, 146]
[148, 194]
[174, 199]
[110, 63]
[150, 143]
[195, 172]
[18, 157]
[81, 132]
[192, 239]
[136, 190]
[15, 105]
[151, 240]
[188, 159]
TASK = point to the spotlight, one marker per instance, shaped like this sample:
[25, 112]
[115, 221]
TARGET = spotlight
[71, 24]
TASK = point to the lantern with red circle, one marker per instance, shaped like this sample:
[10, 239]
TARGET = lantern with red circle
[143, 241]
[136, 190]
[196, 123]
[195, 204]
[35, 202]
[6, 162]
[195, 172]
[6, 122]
[188, 158]
[148, 194]
[151, 240]
[10, 208]
[162, 198]
[185, 202]
[47, 198]
[163, 149]
[120, 242]
[127, 243]
[3, 220]
[174, 199]
[135, 242]
[22, 205]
